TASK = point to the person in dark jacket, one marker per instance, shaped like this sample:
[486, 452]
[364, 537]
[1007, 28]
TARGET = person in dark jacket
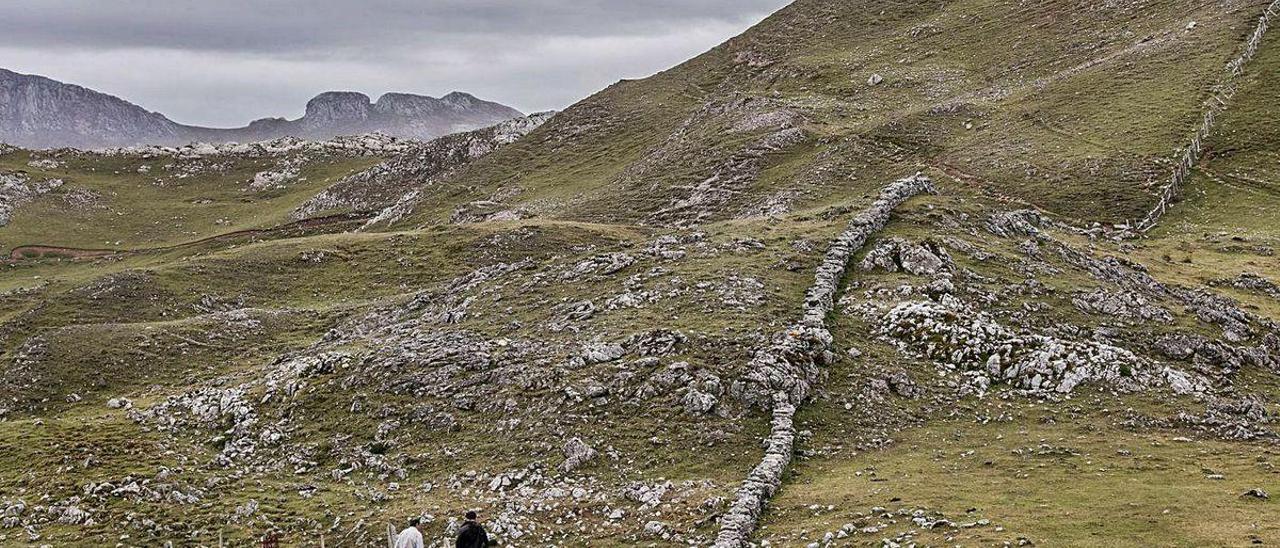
[472, 535]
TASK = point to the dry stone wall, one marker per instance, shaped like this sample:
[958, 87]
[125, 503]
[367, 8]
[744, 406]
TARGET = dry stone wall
[781, 374]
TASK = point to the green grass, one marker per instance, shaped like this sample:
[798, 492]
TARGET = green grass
[134, 211]
[1089, 145]
[1098, 482]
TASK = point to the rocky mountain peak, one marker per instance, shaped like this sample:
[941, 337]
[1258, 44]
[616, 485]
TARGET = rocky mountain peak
[338, 106]
[39, 112]
[460, 99]
[407, 104]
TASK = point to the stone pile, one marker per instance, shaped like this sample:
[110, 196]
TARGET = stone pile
[971, 341]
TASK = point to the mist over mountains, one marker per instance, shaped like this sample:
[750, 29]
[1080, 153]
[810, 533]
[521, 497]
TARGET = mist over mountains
[38, 112]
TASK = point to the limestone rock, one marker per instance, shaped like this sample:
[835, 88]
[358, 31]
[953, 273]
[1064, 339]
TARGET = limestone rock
[576, 453]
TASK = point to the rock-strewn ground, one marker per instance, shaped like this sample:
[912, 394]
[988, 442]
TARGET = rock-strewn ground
[599, 329]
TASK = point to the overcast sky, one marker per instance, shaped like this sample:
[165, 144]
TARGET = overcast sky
[226, 62]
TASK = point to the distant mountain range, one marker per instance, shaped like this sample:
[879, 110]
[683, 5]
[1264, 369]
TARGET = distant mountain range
[38, 112]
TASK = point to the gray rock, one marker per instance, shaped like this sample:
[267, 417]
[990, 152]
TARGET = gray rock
[602, 352]
[576, 453]
[698, 403]
[1127, 305]
[1180, 346]
[1256, 493]
[894, 254]
[1019, 223]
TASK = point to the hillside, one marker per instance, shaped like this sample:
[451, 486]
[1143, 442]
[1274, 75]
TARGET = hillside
[37, 112]
[865, 275]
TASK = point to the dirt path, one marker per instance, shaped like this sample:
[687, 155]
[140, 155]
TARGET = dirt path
[38, 251]
[985, 187]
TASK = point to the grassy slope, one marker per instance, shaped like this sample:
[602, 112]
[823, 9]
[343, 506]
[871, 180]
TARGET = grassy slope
[1002, 458]
[1058, 474]
[1226, 220]
[1055, 145]
[135, 211]
[1129, 485]
[105, 345]
[1089, 143]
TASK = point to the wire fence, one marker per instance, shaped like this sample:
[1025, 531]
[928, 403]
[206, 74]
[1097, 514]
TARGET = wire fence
[1223, 92]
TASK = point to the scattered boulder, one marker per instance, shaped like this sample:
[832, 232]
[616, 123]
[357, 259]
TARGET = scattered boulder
[1018, 223]
[894, 254]
[1128, 305]
[602, 352]
[1256, 493]
[698, 403]
[576, 453]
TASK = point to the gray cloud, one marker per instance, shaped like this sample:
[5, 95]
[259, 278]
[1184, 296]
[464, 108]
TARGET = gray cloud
[226, 62]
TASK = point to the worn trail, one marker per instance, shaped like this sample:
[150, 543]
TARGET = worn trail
[38, 251]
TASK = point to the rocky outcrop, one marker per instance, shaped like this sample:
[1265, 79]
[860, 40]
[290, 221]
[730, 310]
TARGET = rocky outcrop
[1251, 282]
[37, 112]
[730, 177]
[336, 109]
[16, 190]
[971, 341]
[392, 186]
[1018, 223]
[894, 254]
[1132, 306]
[399, 114]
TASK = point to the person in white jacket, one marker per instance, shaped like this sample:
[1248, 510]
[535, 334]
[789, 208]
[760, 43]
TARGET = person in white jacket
[410, 537]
